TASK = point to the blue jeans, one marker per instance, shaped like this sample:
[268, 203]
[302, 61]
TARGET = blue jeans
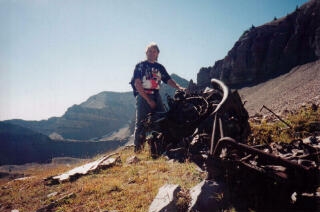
[142, 110]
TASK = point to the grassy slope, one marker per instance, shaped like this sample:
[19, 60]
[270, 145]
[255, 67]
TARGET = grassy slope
[304, 123]
[123, 187]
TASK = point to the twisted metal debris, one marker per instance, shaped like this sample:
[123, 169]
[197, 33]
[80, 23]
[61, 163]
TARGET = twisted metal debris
[211, 128]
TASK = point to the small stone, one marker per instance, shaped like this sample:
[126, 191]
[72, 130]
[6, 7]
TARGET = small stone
[52, 194]
[133, 159]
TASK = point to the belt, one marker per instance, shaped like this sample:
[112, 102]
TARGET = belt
[151, 91]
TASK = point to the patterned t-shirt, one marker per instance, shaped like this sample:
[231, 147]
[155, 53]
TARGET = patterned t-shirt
[151, 74]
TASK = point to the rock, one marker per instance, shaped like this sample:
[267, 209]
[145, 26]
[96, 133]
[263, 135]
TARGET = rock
[203, 77]
[109, 162]
[204, 196]
[165, 199]
[132, 160]
[192, 87]
[56, 137]
[52, 194]
[53, 204]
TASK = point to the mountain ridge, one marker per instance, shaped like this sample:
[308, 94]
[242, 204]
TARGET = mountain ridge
[269, 50]
[20, 145]
[99, 115]
[89, 119]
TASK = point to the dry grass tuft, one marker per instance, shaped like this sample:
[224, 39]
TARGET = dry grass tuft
[304, 123]
[183, 200]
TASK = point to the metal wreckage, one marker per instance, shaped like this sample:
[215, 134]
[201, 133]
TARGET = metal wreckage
[211, 128]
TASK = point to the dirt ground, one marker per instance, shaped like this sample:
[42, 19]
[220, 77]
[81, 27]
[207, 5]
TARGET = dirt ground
[299, 87]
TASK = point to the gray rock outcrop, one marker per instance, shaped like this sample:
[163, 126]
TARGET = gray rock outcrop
[165, 199]
[267, 51]
[204, 196]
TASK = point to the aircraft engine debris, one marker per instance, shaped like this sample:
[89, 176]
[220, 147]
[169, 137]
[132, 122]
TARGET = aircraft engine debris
[211, 128]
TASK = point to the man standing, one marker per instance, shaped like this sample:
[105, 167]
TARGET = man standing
[147, 78]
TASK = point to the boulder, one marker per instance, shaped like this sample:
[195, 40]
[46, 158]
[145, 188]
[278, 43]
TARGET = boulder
[165, 199]
[205, 196]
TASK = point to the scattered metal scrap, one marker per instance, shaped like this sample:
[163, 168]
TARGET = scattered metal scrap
[73, 174]
[265, 107]
[277, 170]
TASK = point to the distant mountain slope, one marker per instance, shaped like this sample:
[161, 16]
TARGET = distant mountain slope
[19, 145]
[267, 51]
[99, 115]
[289, 91]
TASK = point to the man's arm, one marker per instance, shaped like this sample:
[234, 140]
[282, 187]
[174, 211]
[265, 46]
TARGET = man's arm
[138, 85]
[175, 85]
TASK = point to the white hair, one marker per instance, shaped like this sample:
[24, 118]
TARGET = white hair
[153, 45]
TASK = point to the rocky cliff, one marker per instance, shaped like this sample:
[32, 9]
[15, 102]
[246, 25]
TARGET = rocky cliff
[269, 50]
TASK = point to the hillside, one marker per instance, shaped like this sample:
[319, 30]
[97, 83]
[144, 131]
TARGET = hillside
[124, 187]
[269, 50]
[99, 115]
[287, 92]
[19, 145]
[132, 184]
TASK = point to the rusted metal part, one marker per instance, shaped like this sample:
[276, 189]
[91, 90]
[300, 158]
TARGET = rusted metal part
[73, 174]
[225, 91]
[211, 128]
[263, 156]
[212, 143]
[302, 176]
[286, 123]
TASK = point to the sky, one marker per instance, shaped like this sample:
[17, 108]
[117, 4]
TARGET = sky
[57, 53]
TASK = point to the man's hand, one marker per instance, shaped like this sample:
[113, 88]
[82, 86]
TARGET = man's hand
[138, 85]
[175, 85]
[181, 88]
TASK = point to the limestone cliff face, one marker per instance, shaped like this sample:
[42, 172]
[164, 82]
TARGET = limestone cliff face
[270, 50]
